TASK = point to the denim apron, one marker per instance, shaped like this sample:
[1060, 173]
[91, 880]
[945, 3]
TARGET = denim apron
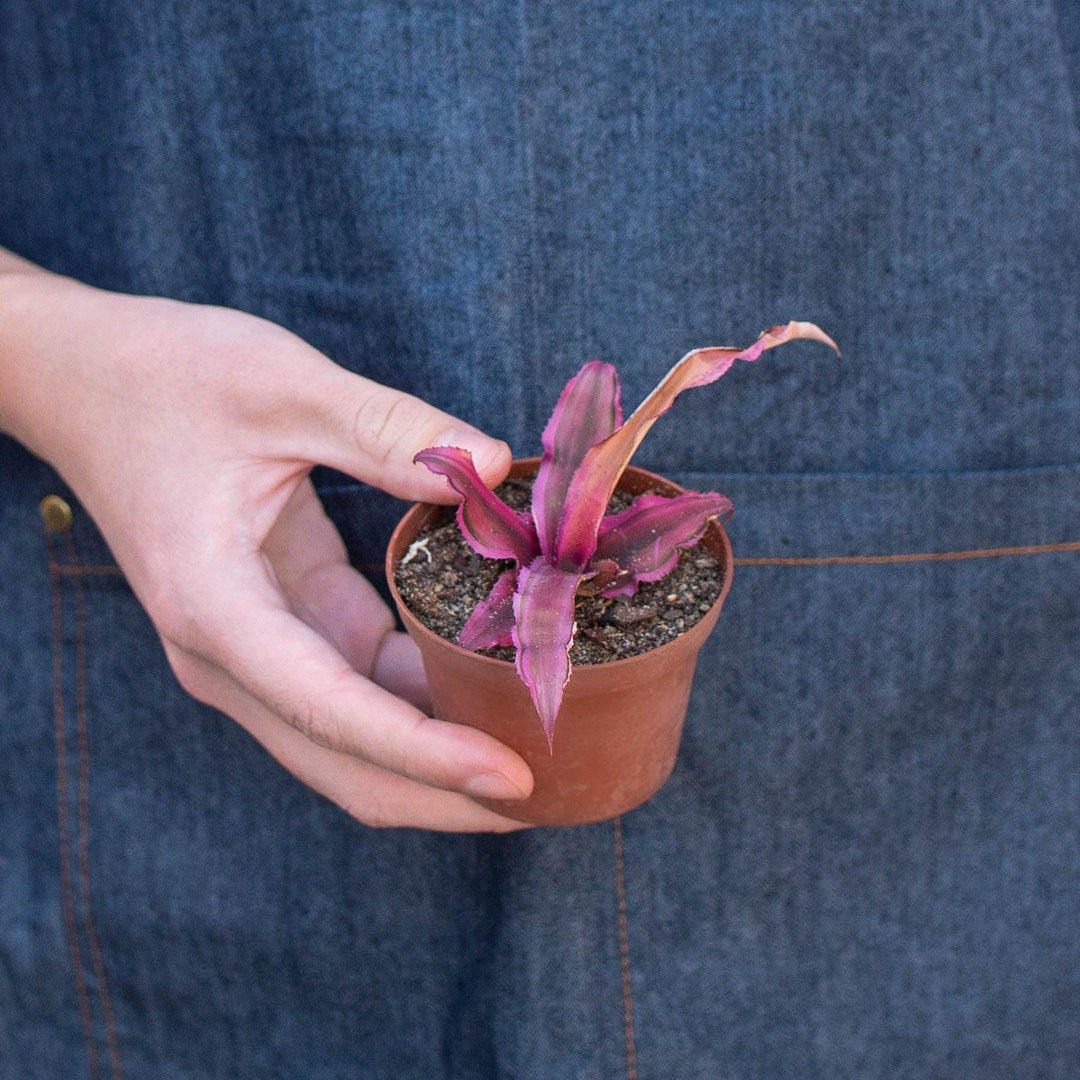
[867, 861]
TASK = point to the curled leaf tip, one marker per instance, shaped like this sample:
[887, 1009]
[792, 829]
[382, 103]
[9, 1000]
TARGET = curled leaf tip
[795, 329]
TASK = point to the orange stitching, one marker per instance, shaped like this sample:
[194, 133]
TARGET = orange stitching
[782, 560]
[84, 813]
[84, 571]
[931, 556]
[61, 799]
[624, 953]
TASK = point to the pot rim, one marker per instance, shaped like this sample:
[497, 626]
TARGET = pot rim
[519, 467]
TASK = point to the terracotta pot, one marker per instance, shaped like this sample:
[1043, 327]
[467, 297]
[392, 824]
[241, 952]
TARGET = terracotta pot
[620, 723]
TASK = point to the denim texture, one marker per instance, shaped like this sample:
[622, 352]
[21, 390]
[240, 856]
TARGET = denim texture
[867, 862]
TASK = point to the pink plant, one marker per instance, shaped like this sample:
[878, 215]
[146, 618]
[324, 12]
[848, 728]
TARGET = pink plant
[569, 538]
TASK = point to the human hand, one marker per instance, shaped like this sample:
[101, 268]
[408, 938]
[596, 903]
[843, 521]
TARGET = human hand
[188, 432]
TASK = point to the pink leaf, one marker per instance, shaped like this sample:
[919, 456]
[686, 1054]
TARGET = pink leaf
[543, 631]
[644, 540]
[492, 620]
[589, 491]
[587, 411]
[490, 526]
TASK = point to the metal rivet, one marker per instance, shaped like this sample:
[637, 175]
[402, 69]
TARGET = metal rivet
[56, 514]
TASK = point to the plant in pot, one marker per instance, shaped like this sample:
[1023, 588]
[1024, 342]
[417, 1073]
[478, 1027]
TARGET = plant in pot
[599, 533]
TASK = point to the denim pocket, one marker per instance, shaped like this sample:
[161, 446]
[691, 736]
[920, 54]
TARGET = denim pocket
[865, 858]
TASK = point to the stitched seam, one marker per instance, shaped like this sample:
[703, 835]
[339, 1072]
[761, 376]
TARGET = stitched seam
[624, 953]
[782, 560]
[929, 556]
[84, 815]
[83, 571]
[67, 897]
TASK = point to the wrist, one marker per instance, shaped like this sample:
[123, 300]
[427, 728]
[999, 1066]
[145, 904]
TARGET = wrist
[38, 315]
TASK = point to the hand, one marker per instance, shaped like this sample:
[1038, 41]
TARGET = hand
[188, 432]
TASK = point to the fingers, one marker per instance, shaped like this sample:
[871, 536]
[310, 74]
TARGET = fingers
[243, 621]
[373, 433]
[399, 669]
[301, 678]
[372, 795]
[344, 607]
[312, 569]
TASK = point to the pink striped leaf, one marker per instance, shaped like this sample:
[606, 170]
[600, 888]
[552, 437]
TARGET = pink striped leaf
[543, 632]
[492, 620]
[588, 410]
[491, 527]
[644, 540]
[591, 487]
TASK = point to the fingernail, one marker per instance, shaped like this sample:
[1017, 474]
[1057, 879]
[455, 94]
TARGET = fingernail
[484, 449]
[492, 786]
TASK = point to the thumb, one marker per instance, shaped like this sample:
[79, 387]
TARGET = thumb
[373, 432]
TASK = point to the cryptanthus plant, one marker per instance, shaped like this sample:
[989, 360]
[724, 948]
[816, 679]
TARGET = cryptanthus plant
[569, 538]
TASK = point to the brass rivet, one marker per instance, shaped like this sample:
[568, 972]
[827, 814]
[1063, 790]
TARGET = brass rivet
[56, 514]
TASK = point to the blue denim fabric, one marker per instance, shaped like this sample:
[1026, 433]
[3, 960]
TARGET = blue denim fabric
[867, 862]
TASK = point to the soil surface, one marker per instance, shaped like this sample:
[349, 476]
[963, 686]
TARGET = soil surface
[443, 590]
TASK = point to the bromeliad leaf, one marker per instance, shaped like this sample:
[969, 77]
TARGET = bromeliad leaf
[588, 410]
[644, 540]
[543, 631]
[492, 620]
[491, 527]
[588, 493]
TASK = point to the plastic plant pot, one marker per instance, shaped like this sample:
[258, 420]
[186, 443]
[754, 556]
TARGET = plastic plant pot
[620, 722]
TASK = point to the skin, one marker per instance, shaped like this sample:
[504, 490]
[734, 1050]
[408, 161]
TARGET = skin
[188, 432]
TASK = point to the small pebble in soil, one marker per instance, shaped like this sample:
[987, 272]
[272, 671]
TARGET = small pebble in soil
[443, 591]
